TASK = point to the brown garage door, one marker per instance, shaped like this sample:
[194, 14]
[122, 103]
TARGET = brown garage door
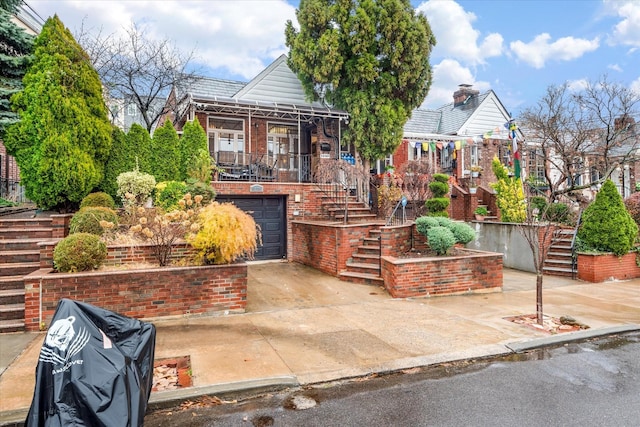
[269, 214]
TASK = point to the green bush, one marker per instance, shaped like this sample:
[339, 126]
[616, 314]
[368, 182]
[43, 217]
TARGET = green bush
[424, 223]
[200, 188]
[481, 210]
[87, 220]
[557, 212]
[606, 225]
[99, 199]
[79, 252]
[441, 239]
[462, 232]
[539, 203]
[168, 194]
[437, 206]
[137, 185]
[444, 222]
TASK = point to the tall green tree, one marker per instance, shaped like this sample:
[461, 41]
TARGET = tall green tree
[138, 150]
[368, 57]
[63, 138]
[15, 53]
[193, 141]
[165, 153]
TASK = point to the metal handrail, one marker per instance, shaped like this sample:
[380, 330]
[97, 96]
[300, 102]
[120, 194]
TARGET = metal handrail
[574, 260]
[393, 218]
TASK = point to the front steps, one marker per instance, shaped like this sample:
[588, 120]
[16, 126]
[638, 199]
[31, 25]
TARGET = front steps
[364, 265]
[559, 261]
[19, 256]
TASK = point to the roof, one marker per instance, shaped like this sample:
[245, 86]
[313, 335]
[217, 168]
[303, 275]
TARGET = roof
[209, 87]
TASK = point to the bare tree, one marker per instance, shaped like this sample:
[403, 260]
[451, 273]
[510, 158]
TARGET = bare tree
[415, 177]
[581, 133]
[138, 69]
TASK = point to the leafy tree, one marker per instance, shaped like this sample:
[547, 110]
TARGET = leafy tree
[509, 194]
[15, 53]
[165, 153]
[368, 57]
[63, 139]
[606, 224]
[193, 141]
[438, 204]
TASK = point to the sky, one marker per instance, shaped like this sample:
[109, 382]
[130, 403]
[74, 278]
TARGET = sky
[517, 48]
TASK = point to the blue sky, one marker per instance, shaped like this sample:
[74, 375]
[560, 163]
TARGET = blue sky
[517, 48]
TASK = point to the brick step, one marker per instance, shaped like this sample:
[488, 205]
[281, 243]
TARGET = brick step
[357, 217]
[361, 278]
[40, 222]
[371, 241]
[19, 244]
[12, 312]
[21, 233]
[366, 258]
[18, 268]
[11, 282]
[20, 256]
[12, 296]
[368, 250]
[12, 325]
[363, 267]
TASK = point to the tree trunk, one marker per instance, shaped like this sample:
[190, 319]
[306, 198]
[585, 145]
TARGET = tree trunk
[539, 278]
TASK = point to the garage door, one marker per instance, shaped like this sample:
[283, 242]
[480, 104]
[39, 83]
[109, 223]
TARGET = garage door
[269, 214]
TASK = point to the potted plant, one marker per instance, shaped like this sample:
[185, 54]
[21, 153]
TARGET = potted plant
[473, 188]
[475, 171]
[480, 213]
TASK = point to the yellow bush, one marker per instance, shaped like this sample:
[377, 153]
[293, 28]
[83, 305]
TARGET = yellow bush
[226, 233]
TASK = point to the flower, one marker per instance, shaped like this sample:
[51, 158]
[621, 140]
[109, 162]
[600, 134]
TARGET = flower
[476, 168]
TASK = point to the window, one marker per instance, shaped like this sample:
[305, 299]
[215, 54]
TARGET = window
[446, 158]
[475, 155]
[132, 109]
[415, 150]
[226, 140]
[535, 164]
[282, 146]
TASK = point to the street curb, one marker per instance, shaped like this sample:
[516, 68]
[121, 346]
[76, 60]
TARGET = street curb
[520, 347]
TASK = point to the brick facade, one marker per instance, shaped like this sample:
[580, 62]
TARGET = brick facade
[474, 272]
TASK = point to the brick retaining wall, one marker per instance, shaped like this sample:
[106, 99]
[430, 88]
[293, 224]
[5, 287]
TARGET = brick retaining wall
[598, 268]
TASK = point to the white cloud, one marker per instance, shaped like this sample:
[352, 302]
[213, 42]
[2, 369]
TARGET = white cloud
[614, 67]
[627, 31]
[540, 50]
[635, 86]
[241, 37]
[577, 85]
[447, 75]
[456, 38]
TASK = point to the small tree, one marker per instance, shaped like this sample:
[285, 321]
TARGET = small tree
[438, 204]
[510, 195]
[606, 224]
[415, 176]
[193, 142]
[165, 153]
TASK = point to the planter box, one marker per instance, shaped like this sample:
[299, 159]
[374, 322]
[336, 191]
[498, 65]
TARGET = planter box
[143, 293]
[472, 272]
[597, 268]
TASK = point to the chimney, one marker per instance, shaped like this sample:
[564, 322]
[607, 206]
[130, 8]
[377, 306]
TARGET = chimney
[623, 122]
[464, 94]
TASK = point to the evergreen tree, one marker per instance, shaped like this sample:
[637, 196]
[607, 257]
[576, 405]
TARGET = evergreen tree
[368, 57]
[116, 163]
[63, 138]
[193, 141]
[15, 53]
[165, 153]
[138, 149]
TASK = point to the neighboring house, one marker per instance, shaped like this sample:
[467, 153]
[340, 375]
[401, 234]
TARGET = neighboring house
[124, 112]
[10, 187]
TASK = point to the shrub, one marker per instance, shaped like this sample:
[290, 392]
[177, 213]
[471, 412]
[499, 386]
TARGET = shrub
[557, 212]
[606, 224]
[79, 252]
[539, 203]
[462, 232]
[87, 220]
[168, 194]
[226, 233]
[137, 185]
[201, 188]
[441, 239]
[481, 210]
[437, 206]
[509, 194]
[99, 199]
[424, 223]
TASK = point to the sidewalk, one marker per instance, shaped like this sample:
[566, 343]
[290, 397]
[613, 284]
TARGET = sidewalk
[303, 327]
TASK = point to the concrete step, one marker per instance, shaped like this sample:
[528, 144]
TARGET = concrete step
[363, 267]
[20, 256]
[558, 271]
[12, 325]
[361, 278]
[18, 268]
[12, 311]
[11, 296]
[366, 258]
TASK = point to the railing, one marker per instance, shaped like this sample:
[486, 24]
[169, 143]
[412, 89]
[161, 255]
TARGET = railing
[398, 217]
[235, 166]
[574, 260]
[12, 190]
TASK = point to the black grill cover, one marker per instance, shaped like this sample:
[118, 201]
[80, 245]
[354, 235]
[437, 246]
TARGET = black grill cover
[95, 369]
